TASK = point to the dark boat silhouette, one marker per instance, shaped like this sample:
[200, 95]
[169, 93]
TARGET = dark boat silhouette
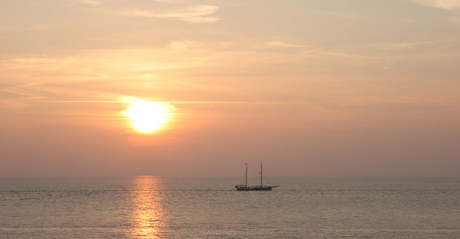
[260, 187]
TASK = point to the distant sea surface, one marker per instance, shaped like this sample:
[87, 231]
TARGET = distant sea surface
[161, 207]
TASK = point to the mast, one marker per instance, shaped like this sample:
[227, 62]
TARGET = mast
[261, 182]
[246, 174]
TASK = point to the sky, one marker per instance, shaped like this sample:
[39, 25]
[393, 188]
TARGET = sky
[308, 87]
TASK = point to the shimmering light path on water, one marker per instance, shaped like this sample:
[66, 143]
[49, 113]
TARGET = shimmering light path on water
[153, 207]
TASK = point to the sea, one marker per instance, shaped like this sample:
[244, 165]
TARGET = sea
[167, 207]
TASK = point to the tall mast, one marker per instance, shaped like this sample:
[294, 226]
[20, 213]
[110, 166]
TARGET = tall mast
[246, 174]
[261, 182]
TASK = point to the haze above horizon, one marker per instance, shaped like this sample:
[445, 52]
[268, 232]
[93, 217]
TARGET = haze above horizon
[200, 87]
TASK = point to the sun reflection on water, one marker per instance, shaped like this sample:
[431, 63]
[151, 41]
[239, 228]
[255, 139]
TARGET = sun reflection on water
[147, 212]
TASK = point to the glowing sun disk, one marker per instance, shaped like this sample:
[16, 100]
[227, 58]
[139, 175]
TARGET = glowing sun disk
[147, 116]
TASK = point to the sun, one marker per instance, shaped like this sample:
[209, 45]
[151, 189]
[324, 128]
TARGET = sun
[147, 117]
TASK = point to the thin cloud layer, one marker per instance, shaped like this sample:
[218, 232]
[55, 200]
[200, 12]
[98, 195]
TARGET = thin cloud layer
[192, 14]
[280, 44]
[91, 2]
[444, 4]
[168, 1]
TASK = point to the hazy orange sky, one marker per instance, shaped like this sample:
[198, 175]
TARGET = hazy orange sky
[309, 87]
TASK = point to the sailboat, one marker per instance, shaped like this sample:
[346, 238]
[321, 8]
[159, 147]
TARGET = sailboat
[260, 187]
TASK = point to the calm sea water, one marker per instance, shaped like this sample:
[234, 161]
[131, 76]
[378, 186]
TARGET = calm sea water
[156, 207]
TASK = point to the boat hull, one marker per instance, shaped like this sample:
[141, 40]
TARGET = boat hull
[253, 188]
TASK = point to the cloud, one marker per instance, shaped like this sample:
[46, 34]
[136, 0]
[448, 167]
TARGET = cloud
[168, 1]
[182, 45]
[346, 15]
[91, 2]
[192, 14]
[279, 44]
[444, 4]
